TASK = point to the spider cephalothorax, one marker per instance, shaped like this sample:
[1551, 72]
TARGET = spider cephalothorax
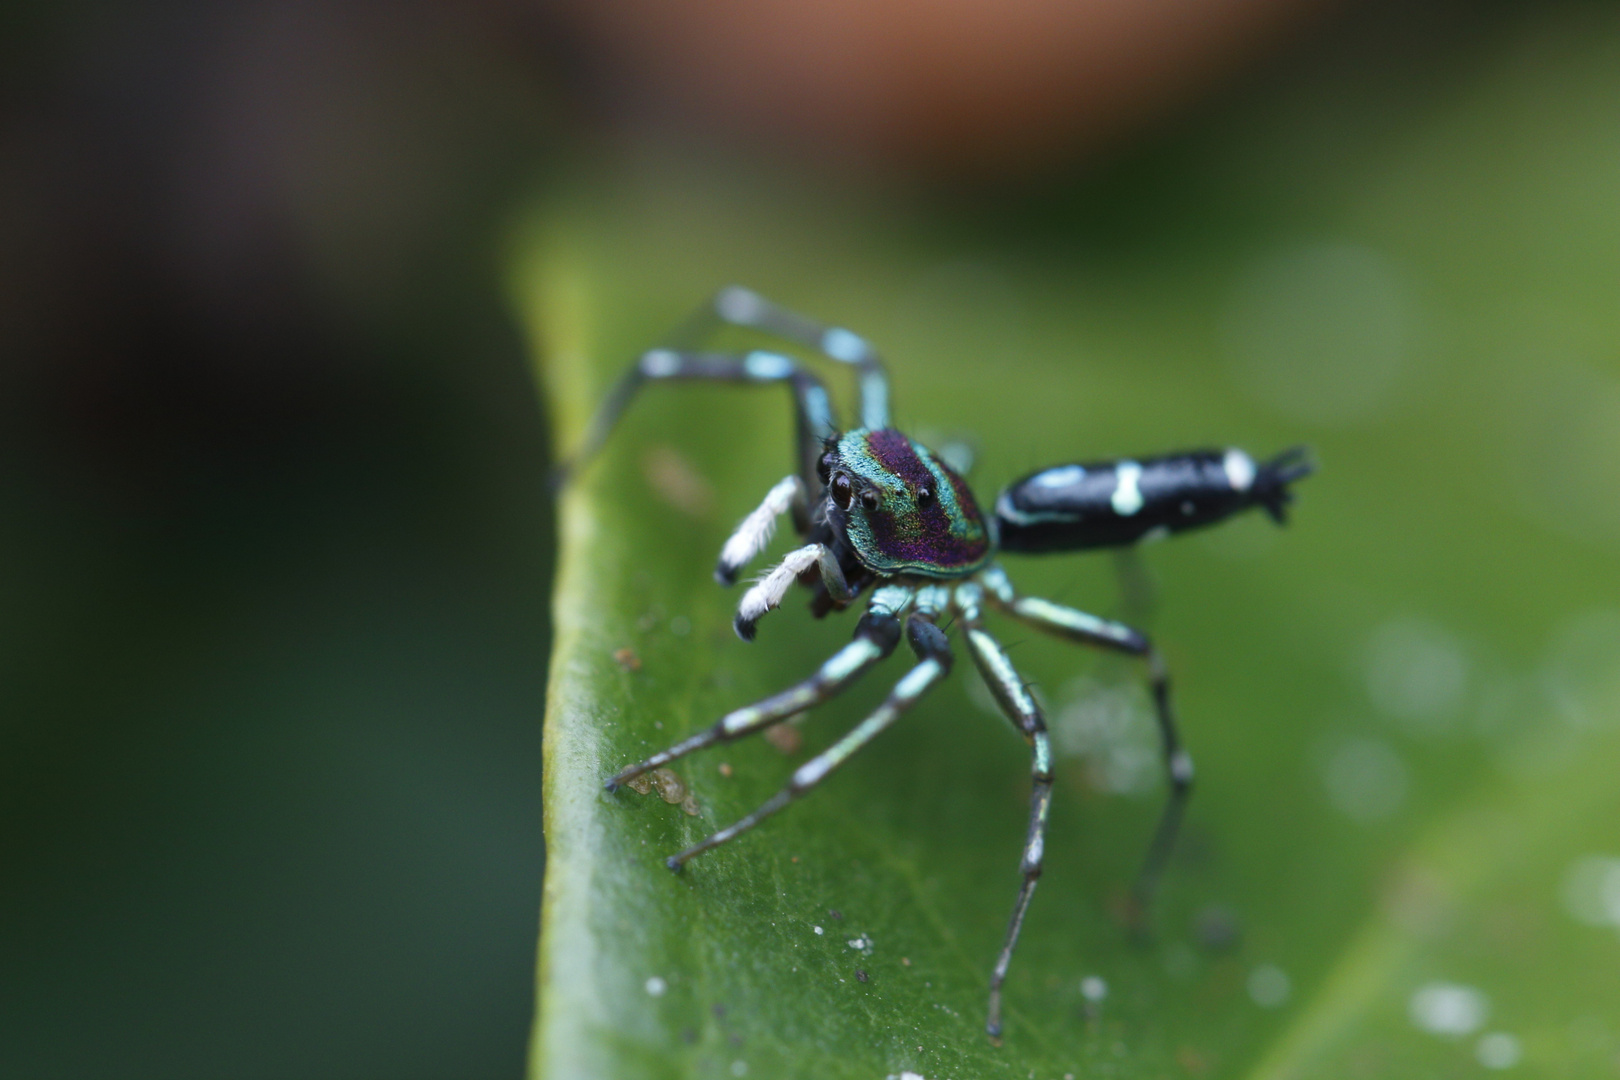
[879, 513]
[900, 509]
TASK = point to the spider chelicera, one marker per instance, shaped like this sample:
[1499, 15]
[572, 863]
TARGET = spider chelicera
[881, 514]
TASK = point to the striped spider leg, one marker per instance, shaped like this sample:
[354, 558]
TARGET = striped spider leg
[813, 410]
[816, 423]
[1020, 708]
[876, 636]
[1074, 625]
[736, 306]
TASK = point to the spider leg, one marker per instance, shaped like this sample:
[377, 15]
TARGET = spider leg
[768, 591]
[933, 652]
[812, 407]
[1078, 626]
[1020, 708]
[756, 529]
[737, 306]
[875, 638]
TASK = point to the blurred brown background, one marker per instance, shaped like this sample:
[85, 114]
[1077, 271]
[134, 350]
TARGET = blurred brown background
[274, 541]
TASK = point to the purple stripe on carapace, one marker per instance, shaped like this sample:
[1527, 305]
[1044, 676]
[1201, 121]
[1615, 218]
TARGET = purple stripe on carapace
[941, 536]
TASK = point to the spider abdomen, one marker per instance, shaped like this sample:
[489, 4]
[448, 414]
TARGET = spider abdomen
[1117, 503]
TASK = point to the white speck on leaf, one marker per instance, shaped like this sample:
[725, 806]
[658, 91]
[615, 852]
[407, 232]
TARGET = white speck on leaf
[1592, 890]
[1442, 1008]
[1269, 986]
[1498, 1050]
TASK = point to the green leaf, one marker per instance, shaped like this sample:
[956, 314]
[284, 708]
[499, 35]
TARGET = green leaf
[1403, 706]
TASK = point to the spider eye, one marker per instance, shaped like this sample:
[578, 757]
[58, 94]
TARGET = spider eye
[869, 499]
[842, 491]
[925, 495]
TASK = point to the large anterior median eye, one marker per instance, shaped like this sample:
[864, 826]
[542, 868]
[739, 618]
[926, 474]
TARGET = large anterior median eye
[869, 499]
[843, 492]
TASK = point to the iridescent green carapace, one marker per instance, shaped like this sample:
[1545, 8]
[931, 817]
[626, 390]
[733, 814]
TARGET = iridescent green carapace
[904, 510]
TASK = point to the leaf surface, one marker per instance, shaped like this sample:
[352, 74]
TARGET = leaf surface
[1403, 706]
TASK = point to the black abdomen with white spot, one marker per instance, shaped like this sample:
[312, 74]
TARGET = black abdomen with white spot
[1118, 503]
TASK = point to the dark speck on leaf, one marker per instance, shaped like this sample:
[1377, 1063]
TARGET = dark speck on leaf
[785, 737]
[835, 913]
[861, 975]
[736, 1040]
[719, 1011]
[1217, 927]
[1192, 1060]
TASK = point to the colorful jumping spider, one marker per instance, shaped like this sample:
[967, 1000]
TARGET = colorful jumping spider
[881, 514]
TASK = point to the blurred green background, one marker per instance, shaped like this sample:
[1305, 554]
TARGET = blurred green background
[275, 549]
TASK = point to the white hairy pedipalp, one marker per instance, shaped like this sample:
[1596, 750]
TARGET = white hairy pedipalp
[755, 530]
